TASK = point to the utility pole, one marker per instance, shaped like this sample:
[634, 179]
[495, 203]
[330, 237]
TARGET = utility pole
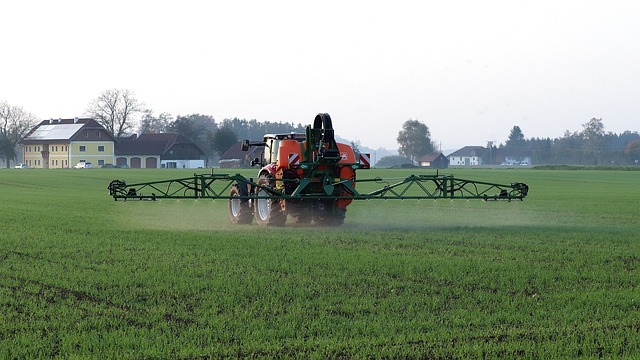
[490, 143]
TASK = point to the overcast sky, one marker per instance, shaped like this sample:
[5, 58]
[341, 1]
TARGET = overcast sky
[470, 70]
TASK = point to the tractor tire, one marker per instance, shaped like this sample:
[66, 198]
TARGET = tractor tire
[267, 210]
[239, 210]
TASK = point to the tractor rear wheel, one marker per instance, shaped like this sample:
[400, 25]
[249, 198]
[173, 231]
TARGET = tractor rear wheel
[266, 209]
[239, 210]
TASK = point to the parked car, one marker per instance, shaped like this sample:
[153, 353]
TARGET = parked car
[21, 166]
[83, 165]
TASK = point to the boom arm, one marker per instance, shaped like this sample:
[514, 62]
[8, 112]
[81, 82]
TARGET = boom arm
[217, 186]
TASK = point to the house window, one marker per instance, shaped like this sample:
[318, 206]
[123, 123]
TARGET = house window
[83, 148]
[101, 148]
[86, 134]
[100, 162]
[98, 133]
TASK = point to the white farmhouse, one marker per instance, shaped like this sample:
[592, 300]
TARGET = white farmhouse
[467, 156]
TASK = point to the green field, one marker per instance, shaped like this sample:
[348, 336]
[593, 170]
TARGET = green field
[554, 276]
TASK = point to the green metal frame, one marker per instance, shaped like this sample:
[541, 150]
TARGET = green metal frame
[217, 186]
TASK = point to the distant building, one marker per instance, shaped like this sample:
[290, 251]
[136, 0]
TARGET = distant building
[433, 161]
[467, 156]
[165, 150]
[517, 156]
[236, 158]
[61, 143]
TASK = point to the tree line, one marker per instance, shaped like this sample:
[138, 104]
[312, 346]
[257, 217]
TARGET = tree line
[590, 146]
[122, 114]
[115, 109]
[212, 137]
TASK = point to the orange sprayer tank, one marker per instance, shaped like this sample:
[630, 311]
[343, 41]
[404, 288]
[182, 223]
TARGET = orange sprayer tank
[289, 153]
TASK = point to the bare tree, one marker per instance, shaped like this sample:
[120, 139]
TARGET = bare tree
[150, 124]
[15, 123]
[355, 145]
[115, 109]
[593, 129]
[594, 142]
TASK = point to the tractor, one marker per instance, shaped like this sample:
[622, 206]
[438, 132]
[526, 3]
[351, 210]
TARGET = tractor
[304, 167]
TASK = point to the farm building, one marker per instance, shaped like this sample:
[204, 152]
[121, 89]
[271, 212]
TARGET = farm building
[61, 143]
[236, 158]
[518, 156]
[165, 150]
[433, 161]
[467, 156]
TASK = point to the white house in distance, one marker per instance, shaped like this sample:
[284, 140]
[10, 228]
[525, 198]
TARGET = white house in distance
[467, 156]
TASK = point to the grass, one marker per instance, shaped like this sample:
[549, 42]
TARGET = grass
[555, 276]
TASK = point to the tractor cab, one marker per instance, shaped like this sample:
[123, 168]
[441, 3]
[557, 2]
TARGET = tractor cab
[272, 143]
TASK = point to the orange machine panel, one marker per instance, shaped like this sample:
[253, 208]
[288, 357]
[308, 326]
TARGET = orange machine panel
[346, 153]
[289, 153]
